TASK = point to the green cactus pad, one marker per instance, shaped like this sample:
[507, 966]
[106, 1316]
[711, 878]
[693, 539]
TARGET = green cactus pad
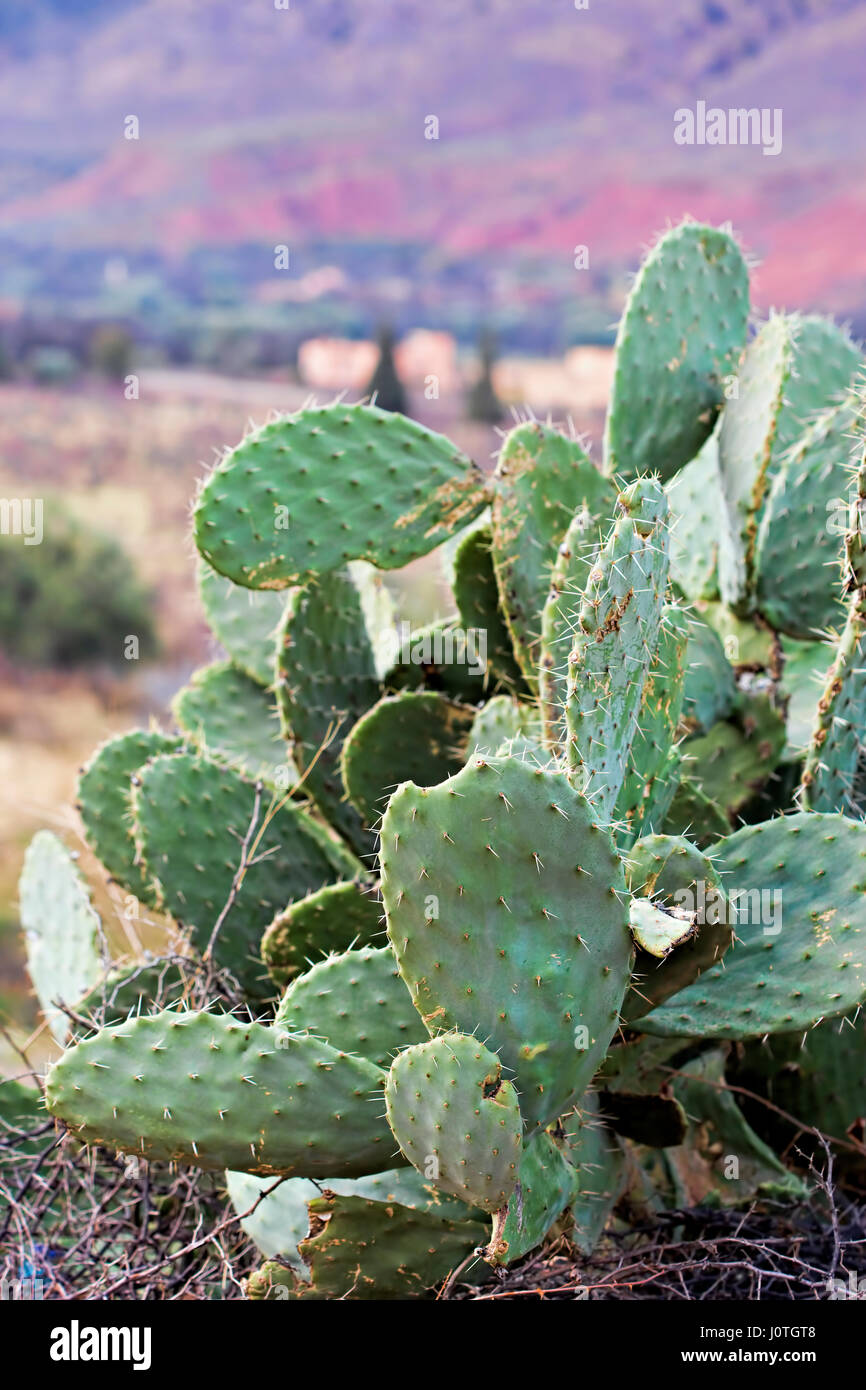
[105, 804]
[62, 932]
[711, 690]
[326, 679]
[279, 1221]
[417, 736]
[456, 1119]
[334, 918]
[21, 1112]
[232, 718]
[677, 876]
[542, 480]
[836, 744]
[245, 621]
[357, 1002]
[734, 760]
[806, 959]
[680, 336]
[695, 498]
[303, 495]
[746, 444]
[567, 581]
[616, 631]
[211, 1091]
[694, 817]
[501, 893]
[799, 550]
[192, 817]
[473, 580]
[795, 368]
[358, 1248]
[546, 1185]
[653, 766]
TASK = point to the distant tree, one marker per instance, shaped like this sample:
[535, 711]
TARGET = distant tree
[385, 382]
[110, 351]
[7, 366]
[482, 403]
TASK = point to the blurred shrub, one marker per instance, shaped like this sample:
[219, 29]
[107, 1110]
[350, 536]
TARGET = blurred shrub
[110, 352]
[73, 600]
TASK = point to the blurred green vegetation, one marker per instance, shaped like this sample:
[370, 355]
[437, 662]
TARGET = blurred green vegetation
[72, 600]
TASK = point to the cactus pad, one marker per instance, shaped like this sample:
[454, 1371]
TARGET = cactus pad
[473, 580]
[543, 479]
[546, 1185]
[836, 744]
[359, 1248]
[680, 336]
[326, 679]
[105, 804]
[675, 876]
[501, 893]
[799, 551]
[711, 691]
[305, 494]
[62, 931]
[208, 1090]
[804, 957]
[417, 736]
[357, 1002]
[734, 760]
[653, 767]
[696, 503]
[334, 918]
[615, 637]
[456, 1119]
[244, 620]
[232, 718]
[192, 817]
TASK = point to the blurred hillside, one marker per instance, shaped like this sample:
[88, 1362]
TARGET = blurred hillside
[306, 127]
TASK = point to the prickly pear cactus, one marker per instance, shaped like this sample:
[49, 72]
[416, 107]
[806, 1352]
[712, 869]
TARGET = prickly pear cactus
[483, 966]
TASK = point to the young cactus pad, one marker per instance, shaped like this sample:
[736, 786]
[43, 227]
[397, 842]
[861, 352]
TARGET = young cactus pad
[456, 1117]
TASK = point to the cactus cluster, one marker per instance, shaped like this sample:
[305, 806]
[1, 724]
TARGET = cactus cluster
[461, 944]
